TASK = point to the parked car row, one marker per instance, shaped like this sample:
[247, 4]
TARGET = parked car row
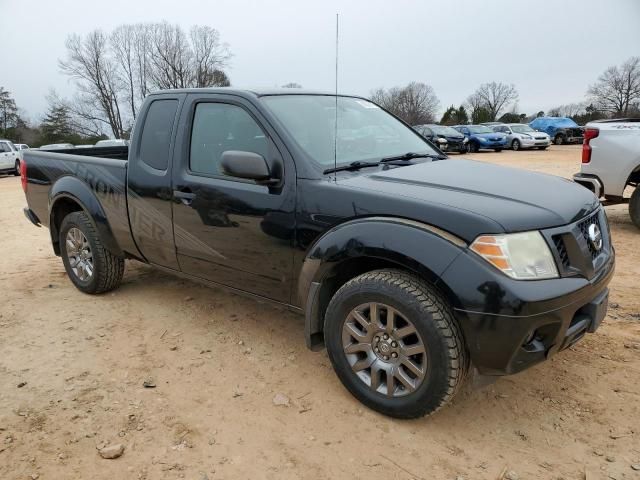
[494, 136]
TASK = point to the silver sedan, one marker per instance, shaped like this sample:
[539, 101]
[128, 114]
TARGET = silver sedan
[520, 136]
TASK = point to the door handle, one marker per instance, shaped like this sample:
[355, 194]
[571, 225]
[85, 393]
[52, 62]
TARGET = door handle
[185, 196]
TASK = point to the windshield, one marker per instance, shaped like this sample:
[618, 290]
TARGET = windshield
[365, 132]
[522, 128]
[439, 130]
[480, 129]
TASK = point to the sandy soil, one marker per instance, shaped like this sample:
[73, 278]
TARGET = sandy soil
[218, 361]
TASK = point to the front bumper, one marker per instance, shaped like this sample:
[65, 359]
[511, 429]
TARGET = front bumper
[492, 145]
[532, 142]
[511, 325]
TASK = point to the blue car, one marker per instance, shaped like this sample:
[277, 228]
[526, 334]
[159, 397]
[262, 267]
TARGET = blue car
[561, 129]
[482, 137]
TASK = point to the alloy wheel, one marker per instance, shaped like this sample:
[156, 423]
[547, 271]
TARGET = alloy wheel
[79, 254]
[384, 349]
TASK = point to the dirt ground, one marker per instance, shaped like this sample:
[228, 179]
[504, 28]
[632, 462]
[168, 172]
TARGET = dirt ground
[72, 368]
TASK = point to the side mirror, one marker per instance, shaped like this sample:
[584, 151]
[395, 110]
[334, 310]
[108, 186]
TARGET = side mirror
[249, 165]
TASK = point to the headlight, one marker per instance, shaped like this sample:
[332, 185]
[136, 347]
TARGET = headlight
[524, 135]
[466, 140]
[482, 139]
[441, 140]
[523, 256]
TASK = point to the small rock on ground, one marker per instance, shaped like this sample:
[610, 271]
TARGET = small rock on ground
[281, 400]
[112, 451]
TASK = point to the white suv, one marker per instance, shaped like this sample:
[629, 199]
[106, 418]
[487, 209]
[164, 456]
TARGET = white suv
[611, 162]
[9, 158]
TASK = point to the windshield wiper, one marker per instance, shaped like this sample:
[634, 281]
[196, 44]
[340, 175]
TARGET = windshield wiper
[404, 157]
[411, 156]
[351, 166]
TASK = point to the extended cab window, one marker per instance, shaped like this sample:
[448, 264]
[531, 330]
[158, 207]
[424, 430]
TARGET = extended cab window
[156, 133]
[218, 127]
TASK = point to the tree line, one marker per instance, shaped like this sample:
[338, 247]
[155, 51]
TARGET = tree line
[615, 94]
[113, 72]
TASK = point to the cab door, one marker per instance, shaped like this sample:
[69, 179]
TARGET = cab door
[229, 230]
[149, 189]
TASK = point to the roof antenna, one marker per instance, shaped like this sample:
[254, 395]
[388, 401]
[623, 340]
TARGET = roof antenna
[335, 133]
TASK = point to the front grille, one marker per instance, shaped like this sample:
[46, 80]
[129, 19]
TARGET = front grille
[562, 250]
[584, 230]
[573, 251]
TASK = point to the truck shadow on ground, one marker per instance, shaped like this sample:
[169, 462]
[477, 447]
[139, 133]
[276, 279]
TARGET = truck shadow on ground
[272, 328]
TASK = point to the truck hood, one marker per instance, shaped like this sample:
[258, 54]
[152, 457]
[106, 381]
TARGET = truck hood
[514, 199]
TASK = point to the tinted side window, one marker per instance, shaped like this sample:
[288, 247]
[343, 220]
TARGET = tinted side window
[156, 133]
[218, 127]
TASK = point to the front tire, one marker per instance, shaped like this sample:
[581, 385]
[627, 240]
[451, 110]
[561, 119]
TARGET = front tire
[473, 147]
[90, 266]
[394, 343]
[16, 172]
[515, 145]
[634, 207]
[559, 139]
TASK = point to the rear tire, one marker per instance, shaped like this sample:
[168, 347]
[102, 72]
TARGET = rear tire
[559, 139]
[473, 147]
[634, 207]
[16, 172]
[433, 375]
[90, 266]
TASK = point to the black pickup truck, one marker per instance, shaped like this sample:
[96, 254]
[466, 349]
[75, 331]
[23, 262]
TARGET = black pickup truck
[409, 267]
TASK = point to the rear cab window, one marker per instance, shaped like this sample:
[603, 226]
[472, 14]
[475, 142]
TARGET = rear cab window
[157, 132]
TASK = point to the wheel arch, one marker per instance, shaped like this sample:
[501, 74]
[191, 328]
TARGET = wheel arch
[69, 194]
[368, 244]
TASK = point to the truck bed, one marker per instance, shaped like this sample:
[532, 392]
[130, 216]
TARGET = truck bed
[100, 173]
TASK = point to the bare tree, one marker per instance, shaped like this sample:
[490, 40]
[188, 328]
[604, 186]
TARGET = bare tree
[171, 57]
[142, 52]
[123, 43]
[618, 89]
[209, 57]
[494, 97]
[115, 72]
[415, 103]
[89, 63]
[568, 110]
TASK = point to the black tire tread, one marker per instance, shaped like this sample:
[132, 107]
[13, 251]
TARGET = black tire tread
[426, 298]
[108, 277]
[634, 207]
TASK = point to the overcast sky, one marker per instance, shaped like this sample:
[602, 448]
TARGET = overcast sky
[550, 49]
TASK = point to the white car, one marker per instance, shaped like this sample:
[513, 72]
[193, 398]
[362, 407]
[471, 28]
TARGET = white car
[118, 142]
[611, 162]
[57, 146]
[9, 158]
[520, 136]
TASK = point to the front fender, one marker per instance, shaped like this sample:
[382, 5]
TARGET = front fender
[74, 189]
[421, 248]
